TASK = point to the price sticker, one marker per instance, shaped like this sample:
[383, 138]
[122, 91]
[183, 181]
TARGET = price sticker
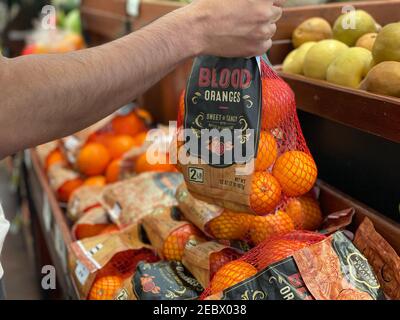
[132, 7]
[81, 272]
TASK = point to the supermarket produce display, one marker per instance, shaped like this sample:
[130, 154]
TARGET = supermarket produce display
[131, 209]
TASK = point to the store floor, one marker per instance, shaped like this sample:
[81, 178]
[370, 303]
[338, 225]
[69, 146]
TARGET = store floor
[20, 278]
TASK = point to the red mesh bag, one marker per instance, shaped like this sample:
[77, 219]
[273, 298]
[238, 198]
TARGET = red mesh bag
[251, 101]
[266, 253]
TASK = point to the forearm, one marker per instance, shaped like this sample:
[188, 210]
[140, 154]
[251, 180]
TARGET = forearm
[74, 90]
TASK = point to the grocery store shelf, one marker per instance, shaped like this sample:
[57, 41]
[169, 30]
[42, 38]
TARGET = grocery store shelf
[384, 12]
[53, 224]
[371, 113]
[57, 236]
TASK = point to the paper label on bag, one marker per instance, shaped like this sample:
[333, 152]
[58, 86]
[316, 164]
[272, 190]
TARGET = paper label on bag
[81, 272]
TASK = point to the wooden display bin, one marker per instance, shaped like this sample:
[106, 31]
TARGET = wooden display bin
[55, 229]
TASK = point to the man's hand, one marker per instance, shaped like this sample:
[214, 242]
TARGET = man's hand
[232, 28]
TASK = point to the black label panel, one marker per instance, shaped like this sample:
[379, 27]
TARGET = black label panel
[223, 110]
[164, 281]
[280, 281]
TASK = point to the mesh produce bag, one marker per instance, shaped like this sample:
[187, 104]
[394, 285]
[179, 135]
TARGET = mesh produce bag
[130, 200]
[94, 222]
[167, 234]
[238, 115]
[100, 264]
[298, 266]
[82, 200]
[214, 221]
[203, 259]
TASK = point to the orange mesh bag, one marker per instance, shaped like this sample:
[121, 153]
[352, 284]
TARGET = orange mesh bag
[130, 200]
[63, 181]
[239, 143]
[305, 213]
[214, 221]
[100, 264]
[82, 200]
[203, 259]
[266, 253]
[167, 234]
[92, 223]
[298, 266]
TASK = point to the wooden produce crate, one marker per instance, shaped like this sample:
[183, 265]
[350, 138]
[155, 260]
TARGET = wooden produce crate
[55, 228]
[54, 233]
[368, 112]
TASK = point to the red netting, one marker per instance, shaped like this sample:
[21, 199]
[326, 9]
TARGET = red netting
[284, 167]
[122, 265]
[266, 253]
[175, 244]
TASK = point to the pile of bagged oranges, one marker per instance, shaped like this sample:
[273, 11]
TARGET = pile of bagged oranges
[99, 160]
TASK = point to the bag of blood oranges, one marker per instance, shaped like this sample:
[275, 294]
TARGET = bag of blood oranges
[100, 265]
[298, 266]
[239, 142]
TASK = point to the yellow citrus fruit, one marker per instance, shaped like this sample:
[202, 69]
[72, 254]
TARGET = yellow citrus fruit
[231, 274]
[265, 193]
[175, 243]
[105, 288]
[271, 225]
[230, 225]
[296, 172]
[267, 151]
[305, 213]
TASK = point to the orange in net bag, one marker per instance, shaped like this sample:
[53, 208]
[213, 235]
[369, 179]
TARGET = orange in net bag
[204, 259]
[82, 200]
[239, 142]
[305, 213]
[100, 264]
[214, 221]
[266, 253]
[169, 235]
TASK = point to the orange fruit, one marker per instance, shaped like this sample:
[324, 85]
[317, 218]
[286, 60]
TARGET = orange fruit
[113, 172]
[112, 228]
[279, 249]
[296, 172]
[83, 231]
[278, 103]
[305, 213]
[219, 259]
[119, 145]
[55, 157]
[102, 138]
[231, 274]
[105, 288]
[66, 190]
[140, 138]
[93, 159]
[95, 181]
[76, 40]
[265, 193]
[175, 243]
[156, 163]
[230, 226]
[267, 151]
[129, 124]
[265, 227]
